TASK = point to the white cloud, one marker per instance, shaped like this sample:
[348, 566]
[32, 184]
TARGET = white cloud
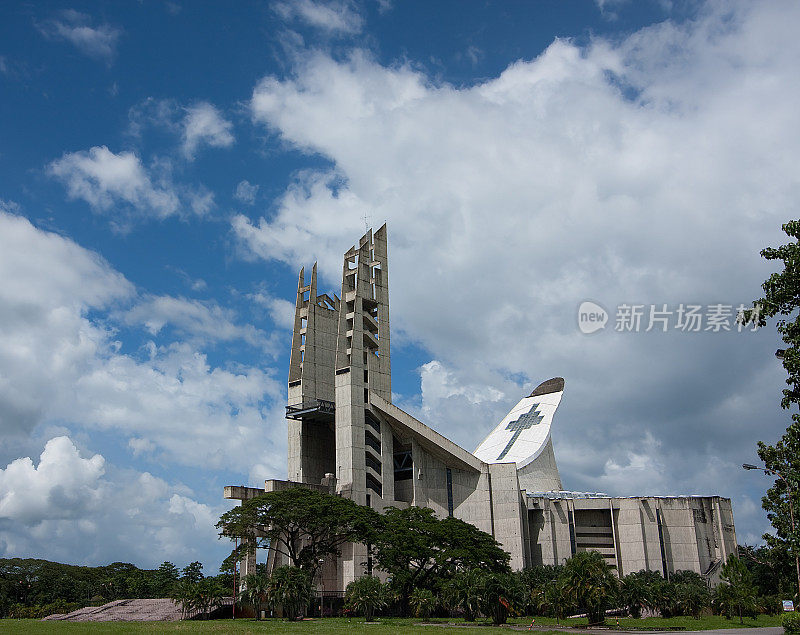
[81, 510]
[334, 16]
[99, 42]
[59, 365]
[281, 311]
[651, 170]
[246, 192]
[204, 320]
[63, 485]
[104, 180]
[203, 124]
[162, 113]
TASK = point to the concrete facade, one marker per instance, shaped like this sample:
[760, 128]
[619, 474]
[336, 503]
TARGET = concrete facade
[345, 436]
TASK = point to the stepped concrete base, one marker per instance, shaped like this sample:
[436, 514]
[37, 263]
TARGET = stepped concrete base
[157, 610]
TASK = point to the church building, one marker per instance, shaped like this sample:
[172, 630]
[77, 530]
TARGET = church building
[345, 436]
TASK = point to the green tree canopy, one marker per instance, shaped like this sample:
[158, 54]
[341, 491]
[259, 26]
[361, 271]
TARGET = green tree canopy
[736, 594]
[420, 550]
[638, 591]
[590, 584]
[782, 298]
[302, 524]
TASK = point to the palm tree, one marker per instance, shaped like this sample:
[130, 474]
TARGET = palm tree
[638, 591]
[365, 595]
[255, 590]
[736, 593]
[209, 595]
[693, 598]
[463, 592]
[184, 592]
[500, 593]
[589, 582]
[290, 588]
[422, 602]
[554, 599]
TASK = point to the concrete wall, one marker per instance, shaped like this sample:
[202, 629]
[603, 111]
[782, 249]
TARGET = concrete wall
[663, 534]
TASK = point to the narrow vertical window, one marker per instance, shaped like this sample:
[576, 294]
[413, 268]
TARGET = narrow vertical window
[449, 492]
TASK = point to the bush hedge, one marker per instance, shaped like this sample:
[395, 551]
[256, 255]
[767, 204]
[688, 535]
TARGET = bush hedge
[791, 623]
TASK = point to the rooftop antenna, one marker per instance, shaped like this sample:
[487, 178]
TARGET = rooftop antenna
[366, 223]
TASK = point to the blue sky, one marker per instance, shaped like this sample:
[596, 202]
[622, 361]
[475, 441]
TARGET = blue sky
[167, 167]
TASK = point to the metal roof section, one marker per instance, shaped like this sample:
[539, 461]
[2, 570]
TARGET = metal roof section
[570, 495]
[523, 433]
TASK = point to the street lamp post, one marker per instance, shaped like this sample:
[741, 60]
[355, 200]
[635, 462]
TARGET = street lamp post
[322, 583]
[791, 490]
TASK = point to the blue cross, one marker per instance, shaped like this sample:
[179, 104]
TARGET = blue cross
[525, 421]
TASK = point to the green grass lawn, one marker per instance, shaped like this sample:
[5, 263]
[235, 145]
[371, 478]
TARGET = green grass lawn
[356, 626]
[688, 623]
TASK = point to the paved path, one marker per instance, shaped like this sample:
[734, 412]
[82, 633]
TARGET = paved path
[762, 630]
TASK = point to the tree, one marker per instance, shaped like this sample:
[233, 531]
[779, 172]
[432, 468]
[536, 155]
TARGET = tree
[589, 582]
[638, 591]
[782, 298]
[304, 525]
[772, 569]
[256, 591]
[534, 581]
[555, 599]
[420, 550]
[500, 592]
[736, 594]
[193, 572]
[692, 593]
[184, 593]
[165, 578]
[208, 595]
[365, 596]
[665, 598]
[422, 602]
[290, 588]
[462, 593]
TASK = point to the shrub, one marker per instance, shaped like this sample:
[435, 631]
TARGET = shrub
[462, 593]
[791, 623]
[590, 584]
[365, 596]
[422, 602]
[290, 588]
[499, 593]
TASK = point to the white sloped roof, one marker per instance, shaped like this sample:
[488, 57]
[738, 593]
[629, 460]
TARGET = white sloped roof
[523, 433]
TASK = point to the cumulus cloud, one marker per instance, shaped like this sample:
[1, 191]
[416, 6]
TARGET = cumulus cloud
[60, 361]
[246, 192]
[280, 310]
[646, 170]
[152, 112]
[62, 370]
[206, 321]
[99, 42]
[197, 125]
[203, 124]
[63, 485]
[104, 180]
[333, 16]
[121, 186]
[99, 514]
